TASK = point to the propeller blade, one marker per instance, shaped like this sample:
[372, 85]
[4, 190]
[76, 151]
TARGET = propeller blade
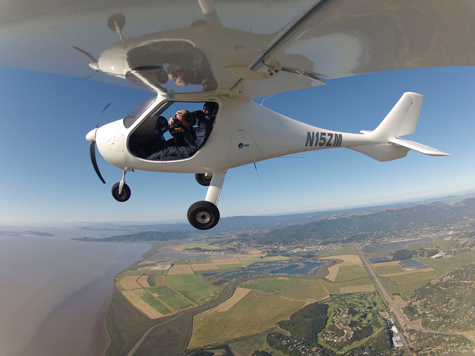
[90, 76]
[90, 56]
[102, 112]
[92, 151]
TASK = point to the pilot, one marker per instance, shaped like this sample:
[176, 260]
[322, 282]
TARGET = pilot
[210, 110]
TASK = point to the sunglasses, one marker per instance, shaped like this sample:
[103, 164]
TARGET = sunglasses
[178, 113]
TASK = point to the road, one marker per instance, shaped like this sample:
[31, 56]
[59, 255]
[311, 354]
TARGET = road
[393, 307]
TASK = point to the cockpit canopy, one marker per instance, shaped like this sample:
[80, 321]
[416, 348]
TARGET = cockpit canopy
[164, 136]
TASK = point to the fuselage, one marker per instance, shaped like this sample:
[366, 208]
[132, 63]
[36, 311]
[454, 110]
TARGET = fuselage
[244, 132]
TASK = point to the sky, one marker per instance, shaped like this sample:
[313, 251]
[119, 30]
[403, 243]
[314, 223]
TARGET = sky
[47, 176]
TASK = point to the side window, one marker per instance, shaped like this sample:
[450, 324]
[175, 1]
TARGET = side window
[156, 139]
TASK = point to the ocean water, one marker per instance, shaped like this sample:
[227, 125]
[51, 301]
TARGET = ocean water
[54, 293]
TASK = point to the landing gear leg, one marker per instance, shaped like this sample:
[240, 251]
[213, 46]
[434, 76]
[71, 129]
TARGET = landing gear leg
[204, 215]
[121, 191]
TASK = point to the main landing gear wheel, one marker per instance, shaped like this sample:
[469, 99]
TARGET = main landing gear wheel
[203, 215]
[203, 179]
[124, 196]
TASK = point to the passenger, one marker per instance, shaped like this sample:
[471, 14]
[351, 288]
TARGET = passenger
[182, 143]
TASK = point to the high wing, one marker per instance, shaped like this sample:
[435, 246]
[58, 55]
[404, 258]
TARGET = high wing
[247, 48]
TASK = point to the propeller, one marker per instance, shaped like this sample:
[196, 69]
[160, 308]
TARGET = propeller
[91, 137]
[94, 65]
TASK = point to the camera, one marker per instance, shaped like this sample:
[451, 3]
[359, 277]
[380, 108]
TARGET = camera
[175, 125]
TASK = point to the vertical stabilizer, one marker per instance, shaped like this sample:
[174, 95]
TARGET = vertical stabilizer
[402, 119]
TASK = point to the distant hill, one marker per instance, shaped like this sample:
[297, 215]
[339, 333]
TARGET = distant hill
[345, 225]
[140, 236]
[356, 227]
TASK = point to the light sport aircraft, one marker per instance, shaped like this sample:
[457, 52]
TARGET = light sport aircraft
[229, 52]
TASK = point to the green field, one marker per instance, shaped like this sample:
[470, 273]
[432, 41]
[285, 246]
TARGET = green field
[254, 313]
[405, 284]
[154, 303]
[307, 289]
[271, 285]
[230, 266]
[181, 262]
[444, 265]
[192, 287]
[438, 243]
[200, 260]
[171, 298]
[339, 251]
[387, 269]
[347, 273]
[334, 287]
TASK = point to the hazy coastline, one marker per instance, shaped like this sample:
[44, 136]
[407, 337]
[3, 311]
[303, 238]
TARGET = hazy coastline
[55, 292]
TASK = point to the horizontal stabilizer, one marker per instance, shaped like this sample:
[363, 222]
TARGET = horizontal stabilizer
[418, 147]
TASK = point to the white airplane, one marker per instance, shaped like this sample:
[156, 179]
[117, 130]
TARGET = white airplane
[219, 60]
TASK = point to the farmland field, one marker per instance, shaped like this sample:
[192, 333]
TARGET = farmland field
[272, 285]
[192, 287]
[180, 269]
[346, 273]
[130, 282]
[382, 270]
[348, 260]
[334, 288]
[200, 260]
[200, 267]
[143, 281]
[135, 298]
[171, 298]
[307, 290]
[405, 283]
[254, 313]
[357, 289]
[332, 273]
[154, 303]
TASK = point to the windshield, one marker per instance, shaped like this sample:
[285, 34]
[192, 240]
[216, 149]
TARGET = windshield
[138, 111]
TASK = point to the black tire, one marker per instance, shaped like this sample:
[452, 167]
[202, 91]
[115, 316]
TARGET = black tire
[203, 215]
[125, 192]
[202, 179]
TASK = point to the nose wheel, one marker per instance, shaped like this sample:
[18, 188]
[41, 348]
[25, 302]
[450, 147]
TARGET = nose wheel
[203, 215]
[123, 195]
[121, 191]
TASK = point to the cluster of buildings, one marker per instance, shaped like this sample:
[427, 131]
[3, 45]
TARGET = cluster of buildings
[396, 337]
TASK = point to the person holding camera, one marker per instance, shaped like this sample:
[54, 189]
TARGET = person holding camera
[183, 141]
[190, 131]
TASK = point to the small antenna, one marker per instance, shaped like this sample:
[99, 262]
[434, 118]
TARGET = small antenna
[255, 166]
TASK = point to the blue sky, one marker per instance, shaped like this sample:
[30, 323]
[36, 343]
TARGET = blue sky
[47, 175]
